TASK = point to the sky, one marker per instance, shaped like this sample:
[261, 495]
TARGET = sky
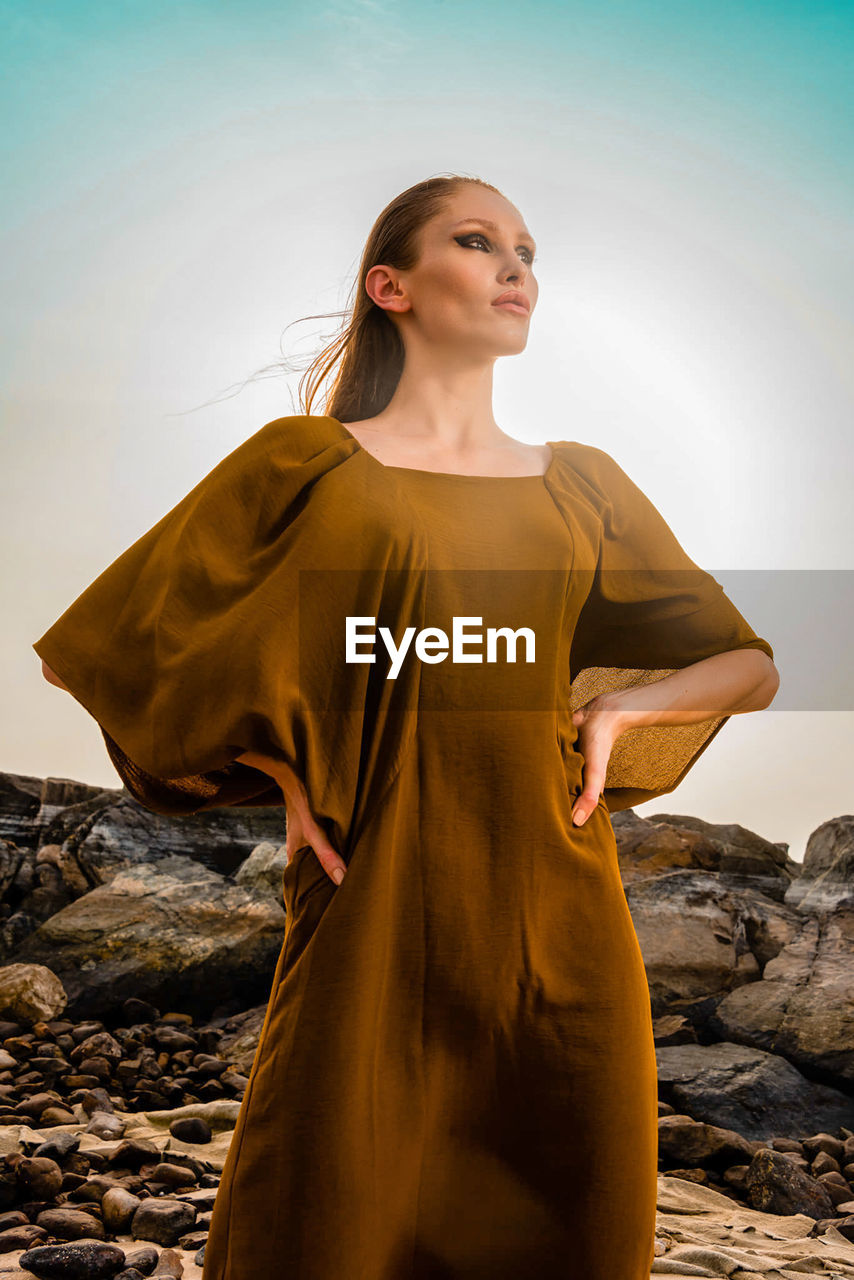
[185, 180]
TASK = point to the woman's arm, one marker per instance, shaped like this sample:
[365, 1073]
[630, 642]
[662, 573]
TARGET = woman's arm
[722, 685]
[52, 678]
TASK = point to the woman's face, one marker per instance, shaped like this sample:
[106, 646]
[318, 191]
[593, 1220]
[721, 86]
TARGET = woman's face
[472, 252]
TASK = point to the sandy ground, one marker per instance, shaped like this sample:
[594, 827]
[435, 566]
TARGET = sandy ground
[700, 1231]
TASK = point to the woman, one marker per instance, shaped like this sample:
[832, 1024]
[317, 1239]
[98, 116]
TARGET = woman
[456, 1073]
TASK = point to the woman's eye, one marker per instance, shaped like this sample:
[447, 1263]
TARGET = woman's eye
[466, 241]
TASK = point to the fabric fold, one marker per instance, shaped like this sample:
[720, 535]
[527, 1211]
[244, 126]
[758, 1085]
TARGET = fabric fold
[221, 630]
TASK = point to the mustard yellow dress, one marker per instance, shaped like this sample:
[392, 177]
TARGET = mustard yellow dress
[455, 1078]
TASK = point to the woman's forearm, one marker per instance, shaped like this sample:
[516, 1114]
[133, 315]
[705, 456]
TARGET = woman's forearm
[725, 684]
[52, 678]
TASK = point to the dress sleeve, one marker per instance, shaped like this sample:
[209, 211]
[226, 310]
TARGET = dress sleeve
[650, 611]
[176, 648]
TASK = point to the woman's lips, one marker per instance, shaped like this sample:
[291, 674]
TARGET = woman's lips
[512, 306]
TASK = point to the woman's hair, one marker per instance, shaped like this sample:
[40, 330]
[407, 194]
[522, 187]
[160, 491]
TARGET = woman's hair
[368, 349]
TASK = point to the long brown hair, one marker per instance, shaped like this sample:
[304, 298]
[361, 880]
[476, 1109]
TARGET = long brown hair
[368, 349]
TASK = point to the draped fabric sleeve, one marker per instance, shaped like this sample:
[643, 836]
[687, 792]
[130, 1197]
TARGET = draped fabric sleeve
[650, 611]
[183, 648]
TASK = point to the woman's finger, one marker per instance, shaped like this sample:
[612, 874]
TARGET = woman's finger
[334, 866]
[305, 832]
[594, 783]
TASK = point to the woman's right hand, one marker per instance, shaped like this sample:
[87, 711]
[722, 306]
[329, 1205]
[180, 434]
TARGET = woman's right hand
[302, 829]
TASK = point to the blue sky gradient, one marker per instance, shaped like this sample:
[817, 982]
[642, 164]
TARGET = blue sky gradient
[184, 180]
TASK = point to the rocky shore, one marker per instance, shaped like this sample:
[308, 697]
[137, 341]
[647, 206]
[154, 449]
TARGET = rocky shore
[136, 956]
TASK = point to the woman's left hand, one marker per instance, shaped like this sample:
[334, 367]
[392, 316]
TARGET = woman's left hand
[599, 725]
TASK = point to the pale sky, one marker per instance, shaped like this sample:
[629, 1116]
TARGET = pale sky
[185, 180]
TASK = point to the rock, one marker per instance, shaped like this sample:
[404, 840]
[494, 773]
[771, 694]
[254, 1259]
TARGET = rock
[162, 1219]
[150, 932]
[838, 1191]
[70, 1224]
[736, 1177]
[825, 1143]
[39, 1178]
[173, 1175]
[699, 937]
[172, 1040]
[97, 1099]
[740, 858]
[845, 1226]
[110, 831]
[83, 1260]
[824, 1163]
[99, 1045]
[24, 1236]
[58, 1146]
[56, 1115]
[759, 1095]
[144, 1259]
[804, 1006]
[263, 869]
[682, 1139]
[30, 992]
[192, 1129]
[134, 1152]
[118, 1206]
[169, 1264]
[193, 1240]
[105, 1126]
[827, 874]
[776, 1185]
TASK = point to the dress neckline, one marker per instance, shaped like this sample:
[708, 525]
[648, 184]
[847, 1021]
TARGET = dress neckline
[446, 475]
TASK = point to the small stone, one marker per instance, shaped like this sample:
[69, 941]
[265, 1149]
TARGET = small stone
[144, 1259]
[191, 1129]
[70, 1224]
[39, 1178]
[24, 1236]
[118, 1206]
[106, 1126]
[775, 1184]
[169, 1264]
[174, 1175]
[162, 1220]
[83, 1260]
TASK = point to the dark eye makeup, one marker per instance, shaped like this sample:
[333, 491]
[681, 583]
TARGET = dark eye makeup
[477, 235]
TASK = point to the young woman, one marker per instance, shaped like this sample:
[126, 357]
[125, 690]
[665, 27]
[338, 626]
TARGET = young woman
[456, 1072]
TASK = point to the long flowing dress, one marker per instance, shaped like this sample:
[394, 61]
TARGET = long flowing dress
[455, 1078]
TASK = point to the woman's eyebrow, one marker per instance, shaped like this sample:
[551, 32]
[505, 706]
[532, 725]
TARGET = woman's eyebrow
[492, 226]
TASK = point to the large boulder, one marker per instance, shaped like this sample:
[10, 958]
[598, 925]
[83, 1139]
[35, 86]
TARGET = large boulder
[174, 934]
[678, 841]
[759, 1095]
[827, 877]
[700, 937]
[804, 1006]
